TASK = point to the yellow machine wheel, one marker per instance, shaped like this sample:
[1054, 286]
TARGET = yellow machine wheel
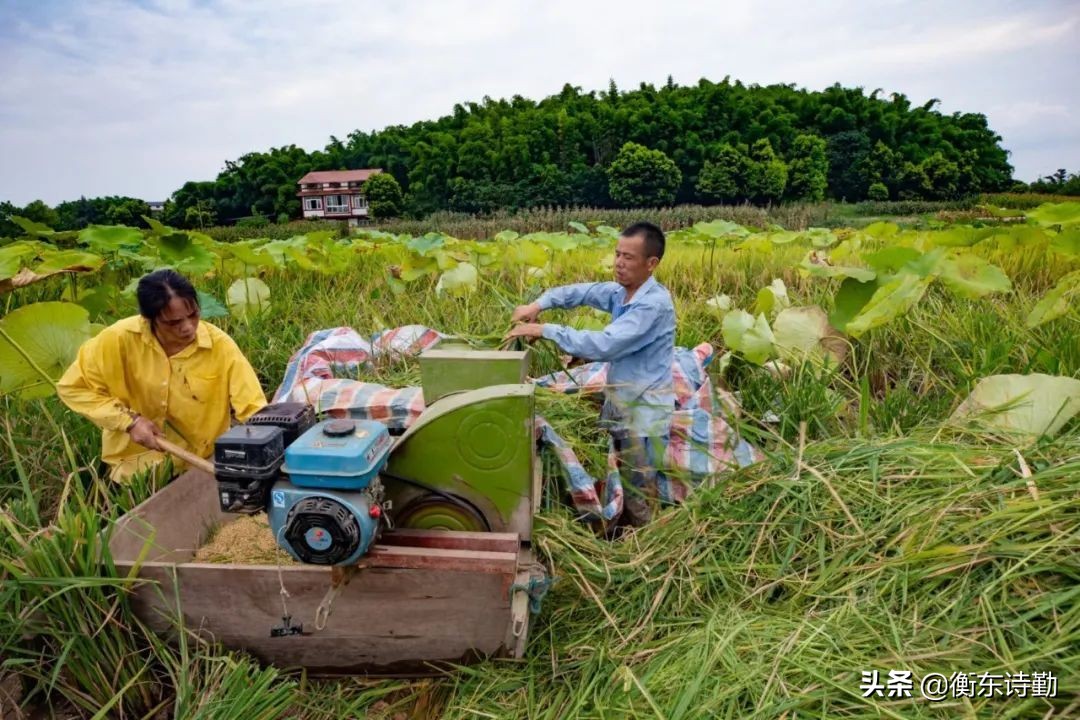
[441, 512]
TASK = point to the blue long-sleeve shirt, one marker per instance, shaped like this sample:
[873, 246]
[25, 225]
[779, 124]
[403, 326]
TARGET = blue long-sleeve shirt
[639, 344]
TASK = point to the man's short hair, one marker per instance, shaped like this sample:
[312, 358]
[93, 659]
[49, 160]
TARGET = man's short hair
[654, 238]
[159, 287]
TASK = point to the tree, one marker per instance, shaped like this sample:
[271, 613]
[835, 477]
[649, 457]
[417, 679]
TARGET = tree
[723, 178]
[809, 169]
[197, 195]
[913, 182]
[877, 192]
[8, 229]
[768, 175]
[1058, 183]
[848, 155]
[884, 166]
[383, 195]
[200, 215]
[642, 177]
[127, 211]
[38, 211]
[942, 177]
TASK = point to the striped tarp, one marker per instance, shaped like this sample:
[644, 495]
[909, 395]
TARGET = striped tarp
[702, 446]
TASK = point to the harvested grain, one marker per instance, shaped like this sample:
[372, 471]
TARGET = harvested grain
[248, 540]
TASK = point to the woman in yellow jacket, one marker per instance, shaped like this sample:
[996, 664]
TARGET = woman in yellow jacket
[162, 373]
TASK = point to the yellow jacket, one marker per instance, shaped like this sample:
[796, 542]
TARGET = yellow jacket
[190, 396]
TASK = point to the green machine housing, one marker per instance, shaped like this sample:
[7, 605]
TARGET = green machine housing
[468, 463]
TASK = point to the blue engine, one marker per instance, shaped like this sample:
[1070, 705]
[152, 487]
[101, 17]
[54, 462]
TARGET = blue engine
[329, 510]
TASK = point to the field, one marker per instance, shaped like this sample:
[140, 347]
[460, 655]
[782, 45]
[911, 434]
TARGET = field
[884, 531]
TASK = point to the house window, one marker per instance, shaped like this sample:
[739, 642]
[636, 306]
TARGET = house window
[337, 203]
[313, 203]
[359, 201]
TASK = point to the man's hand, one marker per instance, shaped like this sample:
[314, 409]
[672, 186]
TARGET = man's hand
[525, 313]
[146, 433]
[526, 330]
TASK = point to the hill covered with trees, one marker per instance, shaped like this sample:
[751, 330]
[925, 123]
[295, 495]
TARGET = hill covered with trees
[708, 143]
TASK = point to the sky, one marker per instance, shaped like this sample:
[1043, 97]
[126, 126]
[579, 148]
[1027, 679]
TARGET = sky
[106, 97]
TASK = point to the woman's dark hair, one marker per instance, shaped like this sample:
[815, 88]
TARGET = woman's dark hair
[158, 288]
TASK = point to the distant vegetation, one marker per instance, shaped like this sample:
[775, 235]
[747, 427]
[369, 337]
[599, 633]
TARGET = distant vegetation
[706, 144]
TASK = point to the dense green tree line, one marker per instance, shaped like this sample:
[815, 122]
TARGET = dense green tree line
[708, 143]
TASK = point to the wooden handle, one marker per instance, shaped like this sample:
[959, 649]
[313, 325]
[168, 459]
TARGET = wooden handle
[187, 456]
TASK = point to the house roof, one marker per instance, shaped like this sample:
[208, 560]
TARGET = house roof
[328, 176]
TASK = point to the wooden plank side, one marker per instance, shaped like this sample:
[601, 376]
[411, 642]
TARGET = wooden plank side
[177, 517]
[451, 540]
[383, 618]
[408, 558]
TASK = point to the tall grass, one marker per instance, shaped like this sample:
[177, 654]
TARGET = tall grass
[873, 537]
[794, 216]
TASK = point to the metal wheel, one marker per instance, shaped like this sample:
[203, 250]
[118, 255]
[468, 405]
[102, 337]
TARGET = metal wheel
[441, 512]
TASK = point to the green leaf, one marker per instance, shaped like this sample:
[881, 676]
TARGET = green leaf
[299, 258]
[1057, 301]
[784, 237]
[157, 228]
[1018, 236]
[526, 252]
[818, 266]
[250, 254]
[104, 302]
[960, 236]
[110, 238]
[445, 260]
[579, 227]
[891, 300]
[971, 276]
[820, 237]
[417, 267]
[426, 243]
[881, 230]
[850, 299]
[928, 265]
[68, 261]
[1067, 242]
[249, 295]
[772, 299]
[209, 307]
[506, 236]
[717, 229]
[462, 280]
[182, 253]
[50, 334]
[804, 333]
[750, 337]
[891, 259]
[1031, 405]
[720, 302]
[1049, 214]
[53, 262]
[556, 241]
[18, 254]
[34, 229]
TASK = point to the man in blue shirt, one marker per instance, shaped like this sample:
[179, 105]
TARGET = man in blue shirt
[639, 344]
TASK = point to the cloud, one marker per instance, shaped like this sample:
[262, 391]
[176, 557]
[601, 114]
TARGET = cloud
[130, 98]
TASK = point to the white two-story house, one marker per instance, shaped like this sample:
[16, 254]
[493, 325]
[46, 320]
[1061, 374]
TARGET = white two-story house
[335, 194]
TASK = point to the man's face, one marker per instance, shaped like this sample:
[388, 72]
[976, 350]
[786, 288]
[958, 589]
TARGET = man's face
[177, 322]
[632, 267]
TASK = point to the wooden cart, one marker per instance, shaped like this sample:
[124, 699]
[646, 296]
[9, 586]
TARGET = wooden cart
[419, 600]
